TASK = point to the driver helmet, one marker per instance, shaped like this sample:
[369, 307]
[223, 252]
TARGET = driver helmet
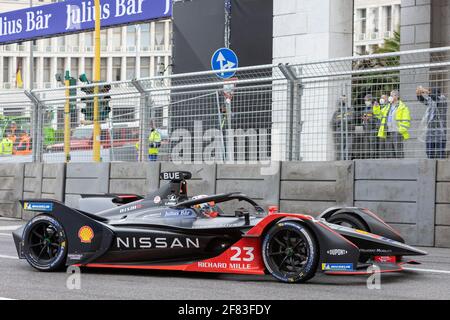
[206, 209]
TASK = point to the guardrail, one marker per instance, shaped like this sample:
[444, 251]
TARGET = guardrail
[314, 111]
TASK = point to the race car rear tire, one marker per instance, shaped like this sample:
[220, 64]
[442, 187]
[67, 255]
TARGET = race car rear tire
[290, 252]
[45, 243]
[348, 220]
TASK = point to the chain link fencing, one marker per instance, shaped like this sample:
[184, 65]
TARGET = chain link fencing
[326, 110]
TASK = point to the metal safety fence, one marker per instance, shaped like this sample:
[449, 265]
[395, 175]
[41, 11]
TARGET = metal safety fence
[390, 105]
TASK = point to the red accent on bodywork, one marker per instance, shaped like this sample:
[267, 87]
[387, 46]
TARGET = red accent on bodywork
[385, 259]
[273, 209]
[261, 226]
[244, 257]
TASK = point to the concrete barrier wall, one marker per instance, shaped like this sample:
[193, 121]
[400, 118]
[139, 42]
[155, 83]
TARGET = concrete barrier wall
[412, 195]
[84, 178]
[134, 178]
[43, 180]
[442, 233]
[311, 187]
[402, 193]
[11, 189]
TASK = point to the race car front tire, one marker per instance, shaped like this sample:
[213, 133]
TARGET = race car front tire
[290, 252]
[348, 220]
[45, 243]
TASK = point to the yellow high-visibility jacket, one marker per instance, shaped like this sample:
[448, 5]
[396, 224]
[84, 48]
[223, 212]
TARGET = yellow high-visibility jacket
[6, 146]
[402, 120]
[155, 139]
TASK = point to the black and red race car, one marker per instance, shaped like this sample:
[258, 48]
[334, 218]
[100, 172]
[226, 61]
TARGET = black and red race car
[167, 230]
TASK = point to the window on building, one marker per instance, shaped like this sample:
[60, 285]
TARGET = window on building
[104, 38]
[35, 71]
[116, 69]
[60, 66]
[145, 67]
[363, 20]
[374, 12]
[159, 66]
[131, 68]
[89, 68]
[117, 39]
[131, 36]
[61, 43]
[361, 50]
[6, 69]
[103, 69]
[145, 36]
[74, 66]
[89, 39]
[74, 40]
[47, 70]
[388, 18]
[159, 35]
[46, 44]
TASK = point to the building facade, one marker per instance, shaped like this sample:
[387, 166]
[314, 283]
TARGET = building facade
[374, 20]
[128, 52]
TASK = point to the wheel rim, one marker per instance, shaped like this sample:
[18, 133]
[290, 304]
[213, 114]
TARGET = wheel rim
[44, 243]
[288, 251]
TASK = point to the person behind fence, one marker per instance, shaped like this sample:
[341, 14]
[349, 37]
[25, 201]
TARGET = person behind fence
[6, 146]
[370, 145]
[154, 143]
[434, 122]
[342, 124]
[378, 110]
[24, 142]
[394, 126]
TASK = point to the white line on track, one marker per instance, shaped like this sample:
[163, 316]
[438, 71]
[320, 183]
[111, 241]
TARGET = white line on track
[8, 219]
[9, 228]
[2, 298]
[8, 257]
[427, 270]
[5, 234]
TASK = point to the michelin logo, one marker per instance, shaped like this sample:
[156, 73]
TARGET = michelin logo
[38, 206]
[337, 266]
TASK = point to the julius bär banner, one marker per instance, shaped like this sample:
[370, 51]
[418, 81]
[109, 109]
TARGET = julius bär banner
[75, 16]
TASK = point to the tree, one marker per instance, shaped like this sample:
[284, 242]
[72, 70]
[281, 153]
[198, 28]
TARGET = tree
[390, 44]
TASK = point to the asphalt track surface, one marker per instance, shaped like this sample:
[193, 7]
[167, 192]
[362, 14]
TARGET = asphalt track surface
[430, 280]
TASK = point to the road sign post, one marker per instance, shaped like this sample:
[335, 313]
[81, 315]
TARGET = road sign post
[96, 145]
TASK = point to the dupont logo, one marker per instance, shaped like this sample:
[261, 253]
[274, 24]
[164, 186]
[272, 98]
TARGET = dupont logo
[337, 252]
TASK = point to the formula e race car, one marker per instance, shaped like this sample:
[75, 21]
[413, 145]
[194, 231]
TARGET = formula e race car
[166, 230]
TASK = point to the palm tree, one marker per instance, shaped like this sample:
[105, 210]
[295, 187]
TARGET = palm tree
[390, 44]
[377, 82]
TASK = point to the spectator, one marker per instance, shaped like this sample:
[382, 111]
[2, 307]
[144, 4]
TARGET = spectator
[6, 146]
[342, 124]
[394, 126]
[370, 127]
[434, 120]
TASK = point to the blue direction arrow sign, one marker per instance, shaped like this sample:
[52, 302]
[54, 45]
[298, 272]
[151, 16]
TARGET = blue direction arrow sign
[222, 60]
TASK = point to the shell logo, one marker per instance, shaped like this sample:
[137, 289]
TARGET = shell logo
[86, 234]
